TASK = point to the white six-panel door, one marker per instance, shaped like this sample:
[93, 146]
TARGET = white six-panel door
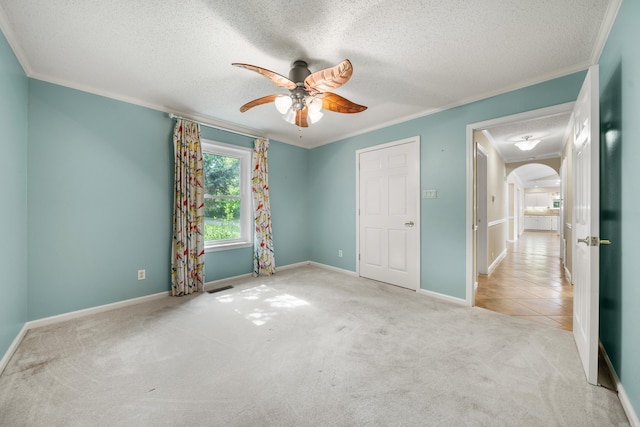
[586, 217]
[389, 229]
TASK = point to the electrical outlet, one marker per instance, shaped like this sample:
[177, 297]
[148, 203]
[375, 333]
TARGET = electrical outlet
[142, 274]
[339, 253]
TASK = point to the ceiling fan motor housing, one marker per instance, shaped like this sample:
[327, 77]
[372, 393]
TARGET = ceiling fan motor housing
[297, 74]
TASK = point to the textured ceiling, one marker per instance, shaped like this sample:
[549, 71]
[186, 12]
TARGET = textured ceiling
[410, 57]
[550, 130]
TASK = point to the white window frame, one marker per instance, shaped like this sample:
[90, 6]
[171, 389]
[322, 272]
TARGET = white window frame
[246, 198]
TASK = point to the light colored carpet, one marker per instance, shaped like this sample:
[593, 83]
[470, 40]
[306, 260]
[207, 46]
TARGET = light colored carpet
[306, 347]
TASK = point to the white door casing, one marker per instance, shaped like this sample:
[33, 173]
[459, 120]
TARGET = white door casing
[388, 211]
[471, 182]
[586, 217]
[482, 236]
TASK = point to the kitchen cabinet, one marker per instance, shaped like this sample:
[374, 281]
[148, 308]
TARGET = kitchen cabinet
[537, 200]
[530, 222]
[541, 222]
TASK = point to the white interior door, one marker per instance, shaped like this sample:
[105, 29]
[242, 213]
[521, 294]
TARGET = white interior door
[586, 217]
[389, 220]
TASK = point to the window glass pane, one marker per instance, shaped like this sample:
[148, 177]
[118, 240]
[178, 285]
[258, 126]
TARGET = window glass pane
[227, 216]
[221, 219]
[221, 175]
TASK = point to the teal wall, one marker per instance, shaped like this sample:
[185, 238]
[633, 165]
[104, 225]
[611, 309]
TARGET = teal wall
[13, 196]
[100, 186]
[288, 198]
[332, 182]
[100, 197]
[620, 152]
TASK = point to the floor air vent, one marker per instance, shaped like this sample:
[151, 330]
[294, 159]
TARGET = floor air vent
[224, 288]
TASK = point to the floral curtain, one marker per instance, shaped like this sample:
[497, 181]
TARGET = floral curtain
[263, 258]
[187, 248]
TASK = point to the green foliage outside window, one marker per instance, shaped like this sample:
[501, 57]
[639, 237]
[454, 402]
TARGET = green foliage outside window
[222, 197]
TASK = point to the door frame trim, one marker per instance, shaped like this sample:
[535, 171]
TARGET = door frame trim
[527, 115]
[482, 232]
[411, 140]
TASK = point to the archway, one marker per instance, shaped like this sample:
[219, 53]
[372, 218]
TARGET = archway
[533, 186]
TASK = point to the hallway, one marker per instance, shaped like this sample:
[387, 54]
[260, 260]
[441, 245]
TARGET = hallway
[530, 282]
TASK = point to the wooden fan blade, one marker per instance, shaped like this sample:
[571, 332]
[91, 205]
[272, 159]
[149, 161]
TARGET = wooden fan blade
[329, 78]
[333, 102]
[277, 79]
[259, 101]
[301, 118]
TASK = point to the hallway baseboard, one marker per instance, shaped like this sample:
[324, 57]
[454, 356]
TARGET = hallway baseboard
[567, 273]
[497, 261]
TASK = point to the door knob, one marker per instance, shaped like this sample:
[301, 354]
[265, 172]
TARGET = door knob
[594, 241]
[408, 224]
[586, 240]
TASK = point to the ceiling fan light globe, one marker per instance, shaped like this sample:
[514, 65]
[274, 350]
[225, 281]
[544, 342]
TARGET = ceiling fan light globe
[314, 116]
[290, 116]
[283, 103]
[315, 105]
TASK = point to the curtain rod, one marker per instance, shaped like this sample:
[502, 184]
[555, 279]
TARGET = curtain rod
[209, 125]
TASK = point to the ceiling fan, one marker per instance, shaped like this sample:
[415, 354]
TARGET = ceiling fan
[309, 92]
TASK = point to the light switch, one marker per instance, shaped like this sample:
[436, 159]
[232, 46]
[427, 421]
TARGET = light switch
[429, 194]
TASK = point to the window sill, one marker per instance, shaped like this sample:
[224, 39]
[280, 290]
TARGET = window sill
[227, 246]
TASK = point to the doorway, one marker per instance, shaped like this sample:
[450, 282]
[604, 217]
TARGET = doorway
[530, 281]
[525, 275]
[583, 141]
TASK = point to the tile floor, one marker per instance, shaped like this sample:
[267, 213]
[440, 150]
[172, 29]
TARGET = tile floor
[530, 282]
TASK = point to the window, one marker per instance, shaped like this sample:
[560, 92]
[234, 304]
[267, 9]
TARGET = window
[227, 198]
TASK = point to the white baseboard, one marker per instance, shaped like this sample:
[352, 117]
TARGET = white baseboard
[622, 394]
[332, 268]
[13, 347]
[628, 407]
[69, 316]
[568, 274]
[497, 261]
[93, 310]
[296, 265]
[443, 297]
